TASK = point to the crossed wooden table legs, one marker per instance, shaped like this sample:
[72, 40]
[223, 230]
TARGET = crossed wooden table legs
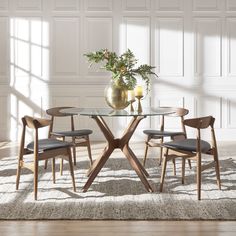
[121, 143]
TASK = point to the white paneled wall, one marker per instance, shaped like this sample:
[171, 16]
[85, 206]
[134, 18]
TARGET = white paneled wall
[169, 39]
[192, 43]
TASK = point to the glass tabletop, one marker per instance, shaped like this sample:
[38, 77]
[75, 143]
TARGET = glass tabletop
[110, 112]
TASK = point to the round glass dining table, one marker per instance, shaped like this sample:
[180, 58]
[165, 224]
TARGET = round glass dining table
[112, 142]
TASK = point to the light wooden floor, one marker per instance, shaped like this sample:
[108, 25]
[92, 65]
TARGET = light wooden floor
[115, 228]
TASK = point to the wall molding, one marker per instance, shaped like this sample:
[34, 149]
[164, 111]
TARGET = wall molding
[190, 42]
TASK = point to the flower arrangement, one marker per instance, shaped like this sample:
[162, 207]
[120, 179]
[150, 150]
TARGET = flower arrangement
[123, 67]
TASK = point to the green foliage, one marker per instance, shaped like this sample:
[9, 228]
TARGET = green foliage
[122, 67]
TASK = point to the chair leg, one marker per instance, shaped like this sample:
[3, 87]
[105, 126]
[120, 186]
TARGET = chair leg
[74, 151]
[61, 166]
[189, 164]
[89, 151]
[61, 163]
[18, 172]
[74, 155]
[35, 179]
[199, 176]
[46, 164]
[183, 170]
[174, 167]
[163, 170]
[217, 168]
[71, 168]
[145, 154]
[161, 151]
[53, 170]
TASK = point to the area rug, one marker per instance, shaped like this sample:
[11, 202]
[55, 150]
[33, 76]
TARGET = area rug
[117, 193]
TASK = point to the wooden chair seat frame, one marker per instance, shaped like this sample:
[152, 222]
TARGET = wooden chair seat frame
[173, 153]
[76, 141]
[64, 151]
[180, 113]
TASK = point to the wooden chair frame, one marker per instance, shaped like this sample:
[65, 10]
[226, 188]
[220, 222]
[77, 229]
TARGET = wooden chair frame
[180, 113]
[36, 123]
[172, 153]
[76, 141]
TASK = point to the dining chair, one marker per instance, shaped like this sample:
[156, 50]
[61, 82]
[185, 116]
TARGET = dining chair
[192, 149]
[42, 149]
[155, 138]
[78, 137]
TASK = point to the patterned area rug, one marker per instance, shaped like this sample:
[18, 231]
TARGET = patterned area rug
[117, 193]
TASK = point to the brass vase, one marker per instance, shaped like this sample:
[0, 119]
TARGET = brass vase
[116, 95]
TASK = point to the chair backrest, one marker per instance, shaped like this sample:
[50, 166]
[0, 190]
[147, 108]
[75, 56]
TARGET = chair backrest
[35, 123]
[179, 112]
[203, 123]
[200, 122]
[32, 123]
[56, 112]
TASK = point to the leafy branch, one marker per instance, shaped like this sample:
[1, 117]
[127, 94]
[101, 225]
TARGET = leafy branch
[122, 67]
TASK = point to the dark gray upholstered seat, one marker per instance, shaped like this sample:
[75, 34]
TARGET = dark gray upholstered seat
[48, 144]
[74, 133]
[188, 145]
[158, 133]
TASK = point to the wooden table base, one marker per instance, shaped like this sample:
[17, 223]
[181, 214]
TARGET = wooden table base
[121, 143]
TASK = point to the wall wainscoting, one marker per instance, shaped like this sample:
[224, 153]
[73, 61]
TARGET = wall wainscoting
[192, 43]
